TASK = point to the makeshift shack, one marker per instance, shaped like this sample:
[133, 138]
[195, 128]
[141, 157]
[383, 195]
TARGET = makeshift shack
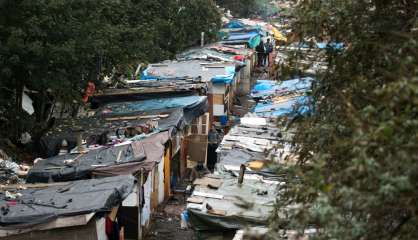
[143, 139]
[222, 79]
[242, 56]
[72, 210]
[136, 90]
[220, 202]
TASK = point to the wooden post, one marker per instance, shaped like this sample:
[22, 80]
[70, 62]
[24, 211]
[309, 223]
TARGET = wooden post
[202, 39]
[241, 174]
[140, 200]
[183, 157]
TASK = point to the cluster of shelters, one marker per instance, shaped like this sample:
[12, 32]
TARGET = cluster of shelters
[242, 191]
[241, 194]
[105, 172]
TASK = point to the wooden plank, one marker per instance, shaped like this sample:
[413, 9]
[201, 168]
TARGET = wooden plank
[60, 222]
[112, 215]
[209, 182]
[217, 212]
[218, 99]
[197, 200]
[37, 185]
[183, 156]
[138, 117]
[208, 195]
[167, 173]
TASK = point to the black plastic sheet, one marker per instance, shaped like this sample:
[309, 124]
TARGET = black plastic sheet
[36, 206]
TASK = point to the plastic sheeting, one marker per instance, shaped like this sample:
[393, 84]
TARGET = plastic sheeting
[294, 106]
[278, 36]
[177, 118]
[206, 70]
[55, 168]
[58, 168]
[208, 54]
[36, 206]
[242, 36]
[234, 24]
[235, 198]
[269, 88]
[254, 41]
[331, 45]
[127, 108]
[153, 150]
[237, 157]
[226, 79]
[231, 50]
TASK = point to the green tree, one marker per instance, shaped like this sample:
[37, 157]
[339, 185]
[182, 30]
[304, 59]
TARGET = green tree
[358, 171]
[54, 47]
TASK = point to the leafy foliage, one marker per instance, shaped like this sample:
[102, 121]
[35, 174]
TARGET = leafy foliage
[358, 171]
[54, 47]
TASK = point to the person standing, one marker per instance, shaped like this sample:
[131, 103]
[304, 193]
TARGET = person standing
[260, 53]
[269, 50]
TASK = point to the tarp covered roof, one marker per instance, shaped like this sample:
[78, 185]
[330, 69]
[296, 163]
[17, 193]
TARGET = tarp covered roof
[137, 90]
[193, 68]
[249, 204]
[127, 108]
[208, 54]
[286, 98]
[42, 205]
[234, 24]
[289, 107]
[144, 153]
[141, 111]
[269, 88]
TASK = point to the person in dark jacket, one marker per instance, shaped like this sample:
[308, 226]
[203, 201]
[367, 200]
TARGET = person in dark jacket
[260, 54]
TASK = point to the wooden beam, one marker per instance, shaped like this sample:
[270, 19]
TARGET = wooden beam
[60, 222]
[26, 186]
[137, 117]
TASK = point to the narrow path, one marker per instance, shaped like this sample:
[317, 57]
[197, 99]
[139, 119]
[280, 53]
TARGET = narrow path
[166, 225]
[166, 221]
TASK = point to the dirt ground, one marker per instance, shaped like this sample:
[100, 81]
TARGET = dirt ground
[166, 224]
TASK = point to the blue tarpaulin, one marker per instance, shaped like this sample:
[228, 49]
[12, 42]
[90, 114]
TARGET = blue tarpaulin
[268, 88]
[153, 104]
[242, 36]
[293, 106]
[254, 41]
[332, 45]
[234, 24]
[225, 79]
[145, 76]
